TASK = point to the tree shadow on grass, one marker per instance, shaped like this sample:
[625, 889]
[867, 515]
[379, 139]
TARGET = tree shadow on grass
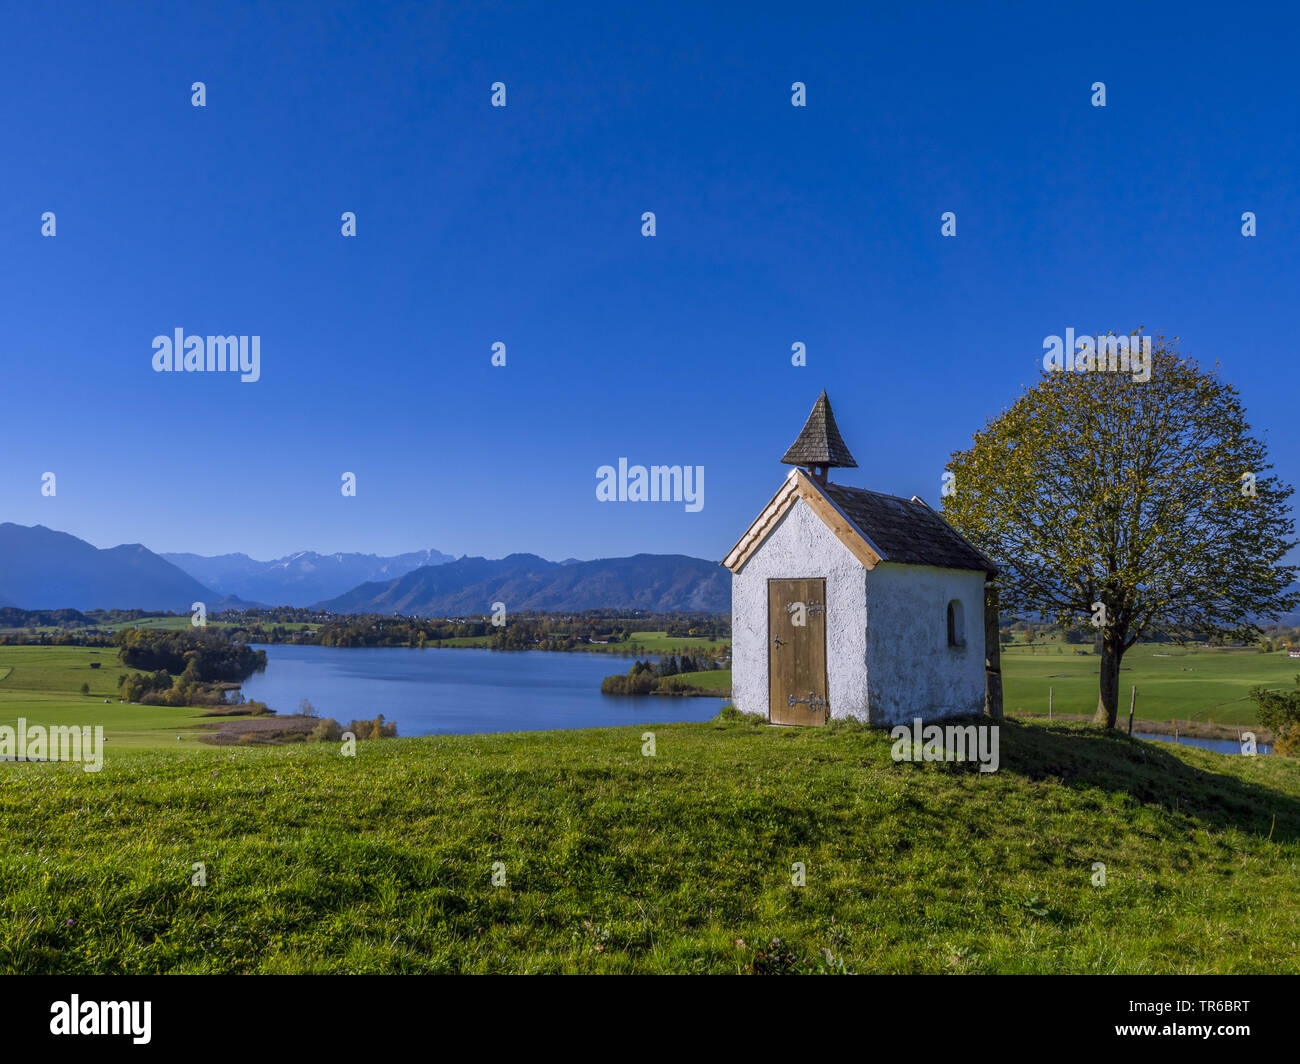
[1082, 756]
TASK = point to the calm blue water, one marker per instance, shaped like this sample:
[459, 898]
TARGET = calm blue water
[461, 690]
[1221, 746]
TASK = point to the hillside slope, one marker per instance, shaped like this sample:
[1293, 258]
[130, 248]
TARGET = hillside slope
[680, 862]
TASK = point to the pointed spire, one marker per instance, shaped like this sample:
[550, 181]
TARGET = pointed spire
[820, 445]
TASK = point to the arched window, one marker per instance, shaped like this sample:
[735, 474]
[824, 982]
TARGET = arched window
[956, 624]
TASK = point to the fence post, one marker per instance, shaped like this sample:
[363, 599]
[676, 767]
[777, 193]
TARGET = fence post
[1049, 703]
[1132, 701]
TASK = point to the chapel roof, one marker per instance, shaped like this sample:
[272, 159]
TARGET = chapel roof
[905, 531]
[875, 527]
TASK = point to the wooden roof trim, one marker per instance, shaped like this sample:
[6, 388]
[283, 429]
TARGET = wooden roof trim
[763, 524]
[799, 486]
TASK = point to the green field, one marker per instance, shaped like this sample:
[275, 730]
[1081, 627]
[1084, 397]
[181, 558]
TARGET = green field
[181, 624]
[712, 679]
[645, 643]
[680, 862]
[464, 641]
[662, 642]
[43, 685]
[171, 624]
[1187, 683]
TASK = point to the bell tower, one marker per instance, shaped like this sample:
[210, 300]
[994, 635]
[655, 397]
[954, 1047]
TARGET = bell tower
[820, 447]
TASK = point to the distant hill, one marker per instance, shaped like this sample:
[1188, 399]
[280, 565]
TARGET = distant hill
[1292, 618]
[298, 579]
[41, 569]
[660, 582]
[12, 617]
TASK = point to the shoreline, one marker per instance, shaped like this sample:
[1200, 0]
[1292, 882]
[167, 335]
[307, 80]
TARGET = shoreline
[1193, 729]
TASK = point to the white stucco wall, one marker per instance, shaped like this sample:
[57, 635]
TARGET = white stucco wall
[914, 673]
[801, 546]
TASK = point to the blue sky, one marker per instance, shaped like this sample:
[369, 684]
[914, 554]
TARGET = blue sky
[522, 224]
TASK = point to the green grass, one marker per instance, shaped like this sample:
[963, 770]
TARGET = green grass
[662, 642]
[712, 679]
[60, 670]
[1190, 683]
[646, 643]
[617, 862]
[171, 624]
[43, 685]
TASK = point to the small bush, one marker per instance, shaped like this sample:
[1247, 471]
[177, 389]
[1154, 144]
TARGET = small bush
[1287, 743]
[327, 731]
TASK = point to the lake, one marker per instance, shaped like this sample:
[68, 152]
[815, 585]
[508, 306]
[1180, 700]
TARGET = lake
[458, 690]
[1221, 746]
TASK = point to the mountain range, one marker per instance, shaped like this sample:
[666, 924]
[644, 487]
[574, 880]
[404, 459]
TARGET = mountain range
[658, 582]
[41, 568]
[301, 579]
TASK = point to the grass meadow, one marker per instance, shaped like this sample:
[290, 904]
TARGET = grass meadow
[614, 861]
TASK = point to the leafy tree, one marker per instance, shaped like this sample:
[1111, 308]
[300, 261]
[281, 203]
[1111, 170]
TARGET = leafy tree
[373, 729]
[1149, 498]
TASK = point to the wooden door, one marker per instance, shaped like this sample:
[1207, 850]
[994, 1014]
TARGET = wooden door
[796, 652]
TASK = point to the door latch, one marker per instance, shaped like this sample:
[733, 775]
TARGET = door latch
[776, 641]
[812, 701]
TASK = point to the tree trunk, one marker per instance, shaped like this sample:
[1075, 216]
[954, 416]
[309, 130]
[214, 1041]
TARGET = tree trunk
[1112, 653]
[992, 655]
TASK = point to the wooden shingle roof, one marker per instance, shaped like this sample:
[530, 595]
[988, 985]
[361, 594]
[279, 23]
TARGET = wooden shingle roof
[820, 442]
[906, 531]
